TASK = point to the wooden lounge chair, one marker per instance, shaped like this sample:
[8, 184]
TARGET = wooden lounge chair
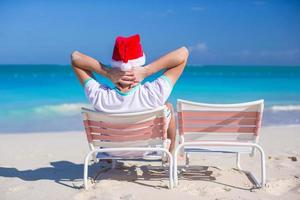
[139, 135]
[223, 128]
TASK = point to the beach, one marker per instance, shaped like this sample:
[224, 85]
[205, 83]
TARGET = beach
[49, 165]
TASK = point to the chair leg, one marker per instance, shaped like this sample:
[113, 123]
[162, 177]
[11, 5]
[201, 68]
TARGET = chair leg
[175, 176]
[187, 160]
[263, 167]
[175, 167]
[238, 158]
[113, 164]
[85, 170]
[163, 163]
[262, 183]
[171, 183]
[171, 166]
[95, 159]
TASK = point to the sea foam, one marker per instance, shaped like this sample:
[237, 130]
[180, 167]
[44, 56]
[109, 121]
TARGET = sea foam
[285, 108]
[67, 109]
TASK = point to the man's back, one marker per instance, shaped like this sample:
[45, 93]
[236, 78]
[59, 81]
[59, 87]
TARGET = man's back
[140, 98]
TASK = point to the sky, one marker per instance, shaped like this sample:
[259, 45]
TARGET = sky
[224, 32]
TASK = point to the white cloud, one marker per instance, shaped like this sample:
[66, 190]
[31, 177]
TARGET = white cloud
[201, 46]
[198, 8]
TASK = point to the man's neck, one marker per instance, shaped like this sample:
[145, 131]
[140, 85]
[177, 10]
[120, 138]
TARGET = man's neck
[125, 89]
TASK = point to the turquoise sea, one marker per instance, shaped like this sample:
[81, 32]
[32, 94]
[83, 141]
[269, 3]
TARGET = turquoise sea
[38, 98]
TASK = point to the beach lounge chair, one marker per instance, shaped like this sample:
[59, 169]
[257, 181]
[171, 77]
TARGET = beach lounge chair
[220, 128]
[130, 136]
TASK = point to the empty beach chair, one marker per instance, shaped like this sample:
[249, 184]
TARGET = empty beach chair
[130, 136]
[223, 128]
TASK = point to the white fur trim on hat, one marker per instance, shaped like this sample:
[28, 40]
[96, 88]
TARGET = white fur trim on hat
[130, 64]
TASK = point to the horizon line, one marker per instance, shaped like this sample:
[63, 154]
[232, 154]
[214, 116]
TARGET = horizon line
[199, 65]
[265, 65]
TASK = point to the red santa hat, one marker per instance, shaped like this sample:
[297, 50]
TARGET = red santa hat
[128, 53]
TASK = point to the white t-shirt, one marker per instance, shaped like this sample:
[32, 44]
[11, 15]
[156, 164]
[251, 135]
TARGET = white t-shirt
[140, 98]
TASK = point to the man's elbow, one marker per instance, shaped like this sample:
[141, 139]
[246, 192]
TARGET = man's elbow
[183, 54]
[75, 56]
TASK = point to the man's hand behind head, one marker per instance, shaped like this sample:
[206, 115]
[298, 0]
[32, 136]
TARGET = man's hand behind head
[121, 78]
[140, 74]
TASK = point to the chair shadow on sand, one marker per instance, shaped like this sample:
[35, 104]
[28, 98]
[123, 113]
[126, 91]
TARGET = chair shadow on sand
[202, 173]
[67, 173]
[157, 174]
[59, 172]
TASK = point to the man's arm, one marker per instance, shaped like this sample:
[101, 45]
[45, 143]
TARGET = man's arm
[84, 65]
[173, 62]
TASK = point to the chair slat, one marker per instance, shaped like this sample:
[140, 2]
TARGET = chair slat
[119, 138]
[219, 129]
[226, 121]
[136, 143]
[125, 131]
[218, 114]
[111, 125]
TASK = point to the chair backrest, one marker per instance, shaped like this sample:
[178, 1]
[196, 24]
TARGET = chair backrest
[241, 121]
[126, 129]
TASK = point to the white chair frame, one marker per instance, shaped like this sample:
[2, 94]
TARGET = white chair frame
[114, 147]
[253, 144]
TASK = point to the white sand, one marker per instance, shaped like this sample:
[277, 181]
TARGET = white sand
[50, 166]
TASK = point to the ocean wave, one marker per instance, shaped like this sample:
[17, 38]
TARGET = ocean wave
[285, 108]
[68, 109]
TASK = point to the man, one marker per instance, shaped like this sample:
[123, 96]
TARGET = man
[127, 73]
